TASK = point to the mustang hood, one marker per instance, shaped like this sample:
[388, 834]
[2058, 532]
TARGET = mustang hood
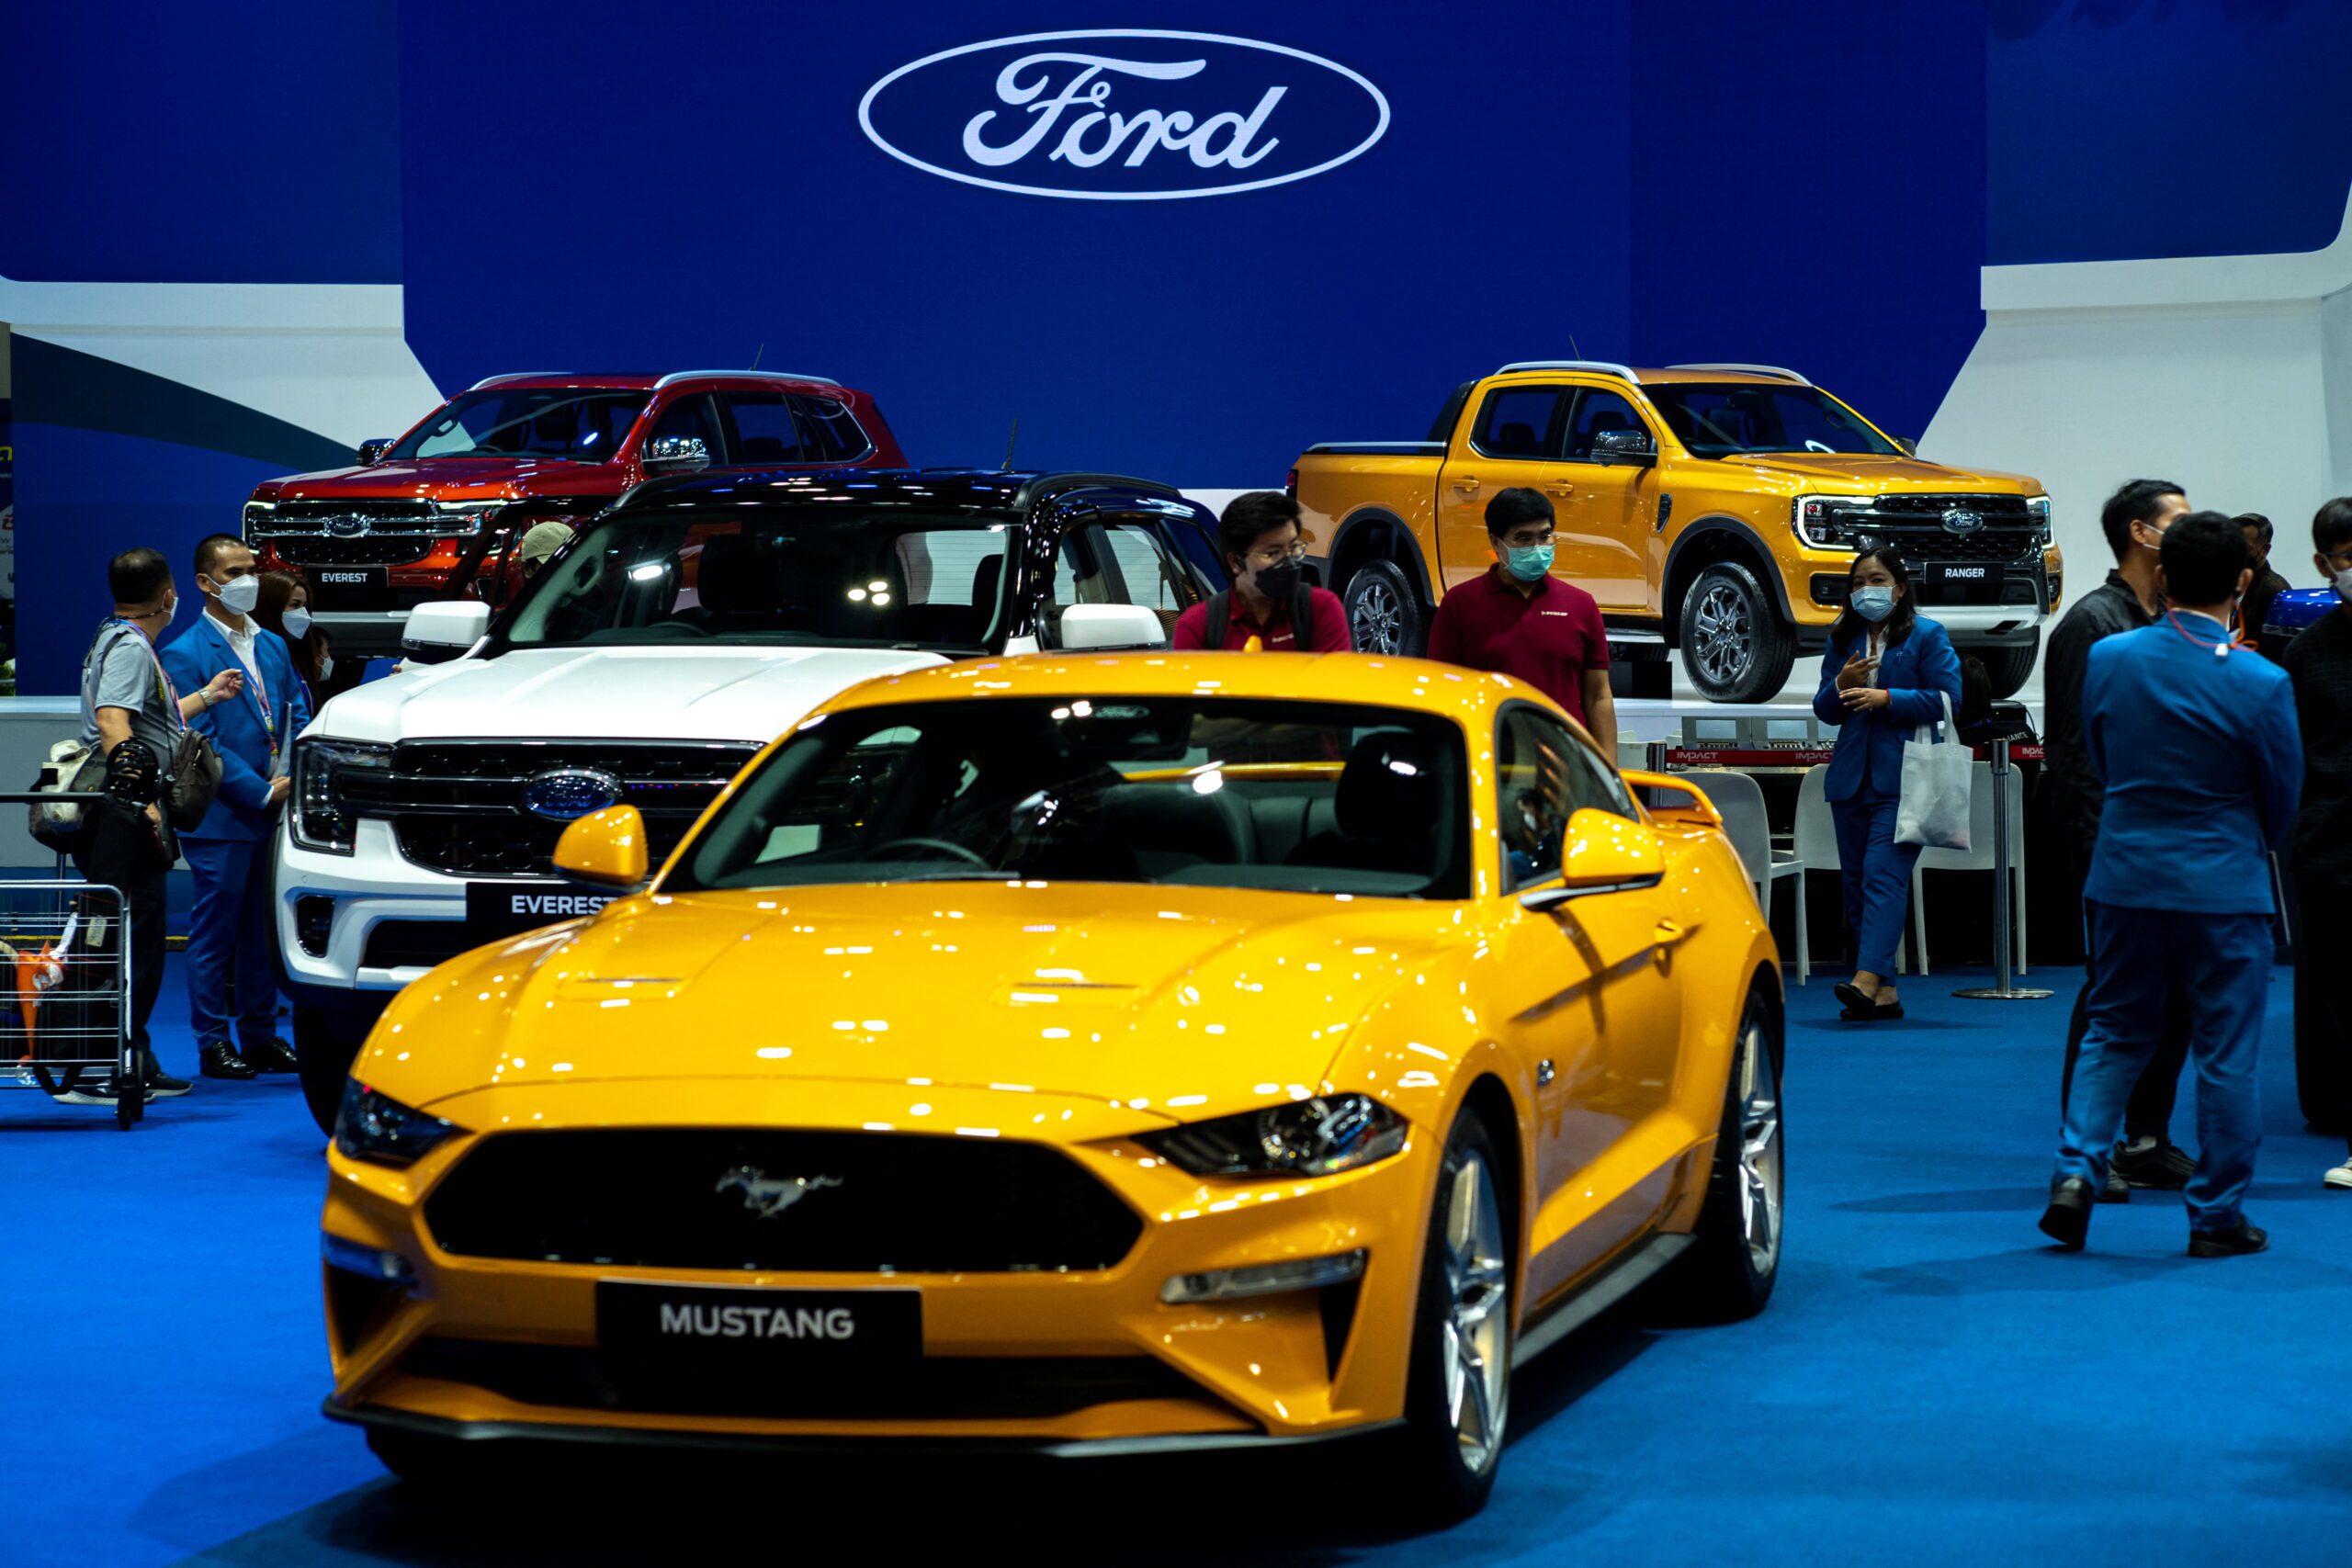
[1159, 998]
[1868, 472]
[657, 694]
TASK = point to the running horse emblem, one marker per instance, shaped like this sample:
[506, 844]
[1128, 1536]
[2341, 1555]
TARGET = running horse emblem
[767, 1197]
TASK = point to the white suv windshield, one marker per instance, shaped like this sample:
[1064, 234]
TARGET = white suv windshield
[838, 575]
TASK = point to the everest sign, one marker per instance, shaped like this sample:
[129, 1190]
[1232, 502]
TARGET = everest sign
[1119, 116]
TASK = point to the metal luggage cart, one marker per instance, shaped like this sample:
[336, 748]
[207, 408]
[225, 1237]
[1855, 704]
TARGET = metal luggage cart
[65, 984]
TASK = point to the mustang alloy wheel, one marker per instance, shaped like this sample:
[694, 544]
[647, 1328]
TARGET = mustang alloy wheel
[1458, 1398]
[1735, 1253]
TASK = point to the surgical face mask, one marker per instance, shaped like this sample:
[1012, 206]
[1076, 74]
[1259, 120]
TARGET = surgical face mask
[298, 623]
[327, 665]
[1873, 603]
[2343, 581]
[1526, 562]
[1280, 580]
[239, 595]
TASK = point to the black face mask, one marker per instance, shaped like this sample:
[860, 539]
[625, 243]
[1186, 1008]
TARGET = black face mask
[1278, 581]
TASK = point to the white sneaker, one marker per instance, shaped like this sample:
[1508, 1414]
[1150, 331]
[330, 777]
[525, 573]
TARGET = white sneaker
[2340, 1176]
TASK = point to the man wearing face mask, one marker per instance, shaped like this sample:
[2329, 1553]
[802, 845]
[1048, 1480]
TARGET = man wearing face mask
[1270, 607]
[2195, 742]
[228, 926]
[2134, 520]
[2319, 663]
[1521, 621]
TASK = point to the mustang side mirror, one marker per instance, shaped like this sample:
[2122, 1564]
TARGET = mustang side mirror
[1625, 446]
[604, 849]
[372, 452]
[443, 629]
[1601, 853]
[1109, 626]
[676, 453]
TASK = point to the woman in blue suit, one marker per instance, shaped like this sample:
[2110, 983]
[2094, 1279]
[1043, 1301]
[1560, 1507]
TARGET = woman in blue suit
[1887, 671]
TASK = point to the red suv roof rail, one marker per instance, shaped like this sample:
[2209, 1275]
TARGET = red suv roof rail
[744, 376]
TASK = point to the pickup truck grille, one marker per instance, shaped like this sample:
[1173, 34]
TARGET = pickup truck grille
[309, 550]
[1991, 544]
[1992, 508]
[358, 519]
[456, 806]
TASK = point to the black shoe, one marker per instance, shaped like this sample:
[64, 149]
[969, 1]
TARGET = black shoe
[1856, 1000]
[2157, 1163]
[2067, 1220]
[271, 1055]
[2238, 1240]
[216, 1061]
[1877, 1013]
[157, 1083]
[2117, 1189]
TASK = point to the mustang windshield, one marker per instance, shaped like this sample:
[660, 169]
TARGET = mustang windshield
[1188, 791]
[1719, 422]
[842, 575]
[568, 422]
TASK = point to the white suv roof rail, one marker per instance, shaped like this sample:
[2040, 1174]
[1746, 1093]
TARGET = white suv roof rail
[1606, 368]
[753, 374]
[1785, 375]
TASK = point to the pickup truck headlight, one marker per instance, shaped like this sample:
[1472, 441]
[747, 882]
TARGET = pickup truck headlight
[1821, 521]
[377, 1128]
[1308, 1138]
[2037, 510]
[322, 817]
[477, 515]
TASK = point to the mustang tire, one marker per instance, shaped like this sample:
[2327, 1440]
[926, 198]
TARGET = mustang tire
[1457, 1400]
[1735, 1254]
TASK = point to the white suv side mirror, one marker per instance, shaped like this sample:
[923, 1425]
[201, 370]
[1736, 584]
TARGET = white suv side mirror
[443, 629]
[1110, 625]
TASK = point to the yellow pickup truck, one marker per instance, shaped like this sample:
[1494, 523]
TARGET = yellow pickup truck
[1710, 508]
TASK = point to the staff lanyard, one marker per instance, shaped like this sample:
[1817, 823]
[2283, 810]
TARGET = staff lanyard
[171, 693]
[2221, 649]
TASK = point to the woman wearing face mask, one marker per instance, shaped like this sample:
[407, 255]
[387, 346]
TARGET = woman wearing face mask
[284, 607]
[1887, 671]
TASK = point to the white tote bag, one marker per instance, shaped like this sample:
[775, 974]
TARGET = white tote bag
[1933, 807]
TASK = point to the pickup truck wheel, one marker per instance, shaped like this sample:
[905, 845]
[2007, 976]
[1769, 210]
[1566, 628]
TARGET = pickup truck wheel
[1734, 645]
[1384, 615]
[2007, 668]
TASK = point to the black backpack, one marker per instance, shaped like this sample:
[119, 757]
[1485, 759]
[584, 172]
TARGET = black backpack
[1302, 619]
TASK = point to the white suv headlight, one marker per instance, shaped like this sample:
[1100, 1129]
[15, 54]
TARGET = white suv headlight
[322, 817]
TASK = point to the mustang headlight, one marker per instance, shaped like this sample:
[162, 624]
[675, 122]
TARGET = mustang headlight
[1306, 1137]
[325, 818]
[377, 1128]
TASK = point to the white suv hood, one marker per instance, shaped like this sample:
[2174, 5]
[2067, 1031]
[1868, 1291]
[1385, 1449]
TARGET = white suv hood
[651, 693]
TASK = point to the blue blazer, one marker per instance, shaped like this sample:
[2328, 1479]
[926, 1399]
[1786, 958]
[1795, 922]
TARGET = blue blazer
[2202, 763]
[242, 810]
[1918, 673]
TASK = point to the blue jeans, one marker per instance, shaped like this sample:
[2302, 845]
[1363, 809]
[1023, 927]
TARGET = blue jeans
[1878, 877]
[2221, 964]
[228, 932]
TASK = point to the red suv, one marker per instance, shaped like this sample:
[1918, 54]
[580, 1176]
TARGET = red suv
[445, 504]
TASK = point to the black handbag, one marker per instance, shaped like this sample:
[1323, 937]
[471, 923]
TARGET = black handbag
[190, 781]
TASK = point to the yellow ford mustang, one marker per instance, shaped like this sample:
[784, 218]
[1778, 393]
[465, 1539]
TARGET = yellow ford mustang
[1084, 1054]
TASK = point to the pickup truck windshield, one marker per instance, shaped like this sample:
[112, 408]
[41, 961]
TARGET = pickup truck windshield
[1719, 421]
[1198, 792]
[836, 576]
[565, 423]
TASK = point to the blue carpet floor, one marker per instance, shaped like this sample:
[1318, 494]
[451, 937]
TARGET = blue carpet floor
[1932, 1384]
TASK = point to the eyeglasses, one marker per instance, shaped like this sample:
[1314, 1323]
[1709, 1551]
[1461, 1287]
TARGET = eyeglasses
[1276, 557]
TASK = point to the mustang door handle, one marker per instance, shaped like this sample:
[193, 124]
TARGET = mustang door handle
[1669, 933]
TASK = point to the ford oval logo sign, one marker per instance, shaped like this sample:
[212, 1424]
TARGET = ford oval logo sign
[562, 795]
[1119, 115]
[345, 525]
[1959, 520]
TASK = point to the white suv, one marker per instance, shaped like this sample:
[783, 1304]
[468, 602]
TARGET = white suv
[683, 629]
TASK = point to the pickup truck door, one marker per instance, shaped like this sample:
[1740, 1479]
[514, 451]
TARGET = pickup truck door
[1513, 436]
[1608, 512]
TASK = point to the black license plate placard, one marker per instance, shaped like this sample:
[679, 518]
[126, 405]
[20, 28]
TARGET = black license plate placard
[495, 909]
[351, 587]
[1967, 583]
[692, 1334]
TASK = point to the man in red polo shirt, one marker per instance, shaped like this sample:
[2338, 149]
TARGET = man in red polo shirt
[1269, 603]
[1521, 621]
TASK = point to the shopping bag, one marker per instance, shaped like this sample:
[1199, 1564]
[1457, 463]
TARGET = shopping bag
[1933, 807]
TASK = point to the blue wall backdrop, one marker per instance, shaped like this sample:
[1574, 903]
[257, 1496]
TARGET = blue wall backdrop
[1813, 185]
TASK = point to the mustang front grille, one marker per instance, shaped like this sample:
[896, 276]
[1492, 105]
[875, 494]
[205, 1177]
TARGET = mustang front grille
[778, 1199]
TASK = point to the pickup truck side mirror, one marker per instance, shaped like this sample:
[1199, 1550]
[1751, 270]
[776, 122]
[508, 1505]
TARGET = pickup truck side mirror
[676, 453]
[1109, 626]
[1625, 446]
[372, 452]
[443, 629]
[1910, 444]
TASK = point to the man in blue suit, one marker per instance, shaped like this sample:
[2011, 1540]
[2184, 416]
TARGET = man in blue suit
[2197, 748]
[229, 929]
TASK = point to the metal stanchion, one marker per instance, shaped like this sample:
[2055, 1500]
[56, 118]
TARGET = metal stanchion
[2004, 890]
[1655, 756]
